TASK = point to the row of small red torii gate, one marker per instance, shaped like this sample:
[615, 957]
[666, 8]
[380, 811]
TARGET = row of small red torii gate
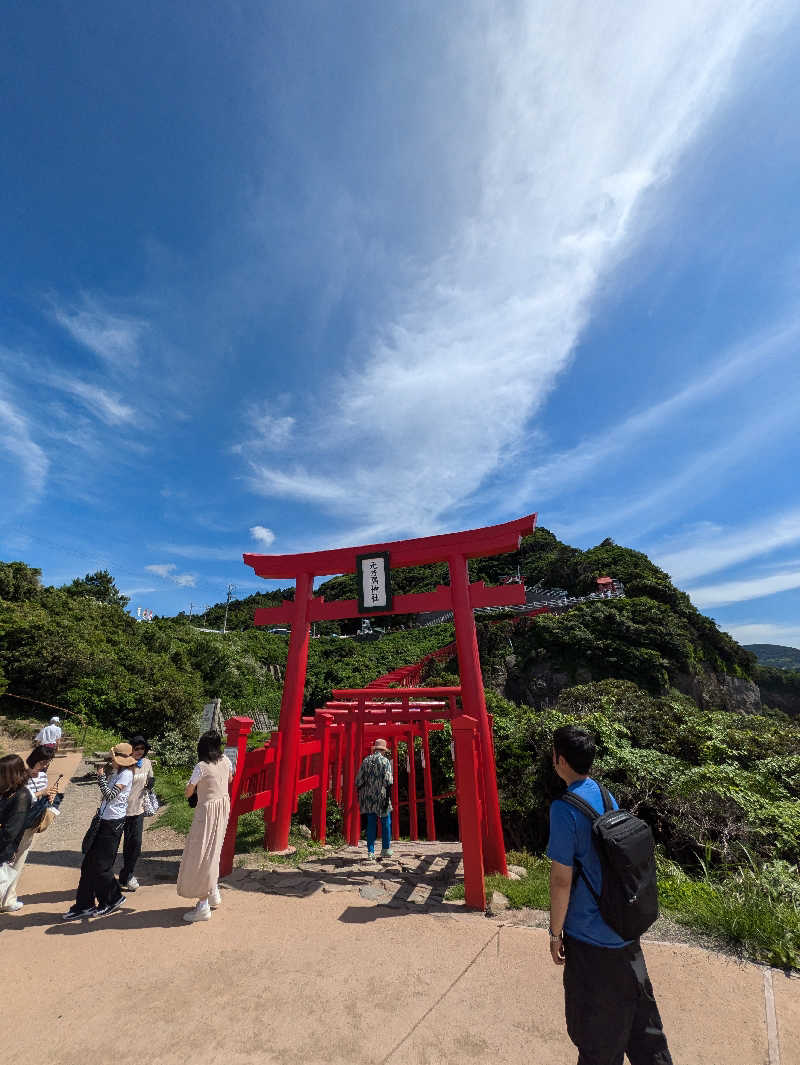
[322, 755]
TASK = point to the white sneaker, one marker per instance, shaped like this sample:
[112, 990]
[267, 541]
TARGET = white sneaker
[12, 907]
[214, 898]
[131, 885]
[201, 912]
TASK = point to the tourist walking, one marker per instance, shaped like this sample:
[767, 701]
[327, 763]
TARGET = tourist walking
[199, 871]
[50, 735]
[374, 786]
[15, 801]
[43, 799]
[134, 818]
[99, 893]
[609, 1003]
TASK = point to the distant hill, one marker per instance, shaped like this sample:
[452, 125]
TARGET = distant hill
[775, 655]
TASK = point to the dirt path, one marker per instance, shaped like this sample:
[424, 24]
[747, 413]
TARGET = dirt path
[316, 971]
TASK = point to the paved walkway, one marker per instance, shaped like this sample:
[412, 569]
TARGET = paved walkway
[306, 966]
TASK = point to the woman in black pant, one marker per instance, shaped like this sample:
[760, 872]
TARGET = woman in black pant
[134, 816]
[98, 891]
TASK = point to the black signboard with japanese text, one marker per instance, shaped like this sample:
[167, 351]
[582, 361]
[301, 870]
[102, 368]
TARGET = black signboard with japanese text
[374, 583]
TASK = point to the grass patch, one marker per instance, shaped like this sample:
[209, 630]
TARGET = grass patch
[96, 739]
[754, 910]
[170, 787]
[250, 840]
[531, 891]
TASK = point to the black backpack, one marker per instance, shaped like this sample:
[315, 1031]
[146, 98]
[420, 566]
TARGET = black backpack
[628, 899]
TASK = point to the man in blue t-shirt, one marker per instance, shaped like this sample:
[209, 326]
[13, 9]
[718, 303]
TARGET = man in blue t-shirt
[608, 998]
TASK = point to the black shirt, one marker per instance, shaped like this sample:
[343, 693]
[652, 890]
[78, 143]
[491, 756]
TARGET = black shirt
[13, 809]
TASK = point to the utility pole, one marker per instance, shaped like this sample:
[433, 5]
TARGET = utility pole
[191, 608]
[231, 591]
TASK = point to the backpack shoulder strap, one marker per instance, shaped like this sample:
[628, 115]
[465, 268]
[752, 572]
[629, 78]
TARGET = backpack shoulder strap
[607, 803]
[581, 804]
[585, 808]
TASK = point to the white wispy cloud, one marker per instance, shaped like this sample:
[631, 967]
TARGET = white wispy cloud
[166, 570]
[711, 595]
[114, 337]
[105, 405]
[746, 632]
[745, 361]
[16, 438]
[265, 431]
[700, 471]
[587, 109]
[296, 484]
[161, 569]
[201, 551]
[712, 548]
[262, 535]
[185, 580]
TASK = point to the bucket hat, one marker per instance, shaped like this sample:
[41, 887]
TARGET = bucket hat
[380, 745]
[122, 755]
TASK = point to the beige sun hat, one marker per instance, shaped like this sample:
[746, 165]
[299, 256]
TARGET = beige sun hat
[380, 745]
[122, 755]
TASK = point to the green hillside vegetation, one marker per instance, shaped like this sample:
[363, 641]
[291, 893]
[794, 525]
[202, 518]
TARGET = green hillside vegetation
[775, 655]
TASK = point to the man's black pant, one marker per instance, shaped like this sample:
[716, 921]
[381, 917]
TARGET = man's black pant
[131, 846]
[610, 1007]
[97, 877]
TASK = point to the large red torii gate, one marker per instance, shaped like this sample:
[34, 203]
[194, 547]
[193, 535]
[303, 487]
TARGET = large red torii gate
[459, 596]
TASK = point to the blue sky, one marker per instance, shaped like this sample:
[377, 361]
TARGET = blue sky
[290, 276]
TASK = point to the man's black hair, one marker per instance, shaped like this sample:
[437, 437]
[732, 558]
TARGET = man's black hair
[576, 745]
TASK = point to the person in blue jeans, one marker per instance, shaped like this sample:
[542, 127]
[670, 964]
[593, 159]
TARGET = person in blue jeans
[374, 786]
[609, 1003]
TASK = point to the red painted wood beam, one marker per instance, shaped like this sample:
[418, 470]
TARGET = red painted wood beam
[393, 693]
[502, 595]
[472, 543]
[413, 603]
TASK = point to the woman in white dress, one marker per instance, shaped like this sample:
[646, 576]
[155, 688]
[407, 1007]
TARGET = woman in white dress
[199, 871]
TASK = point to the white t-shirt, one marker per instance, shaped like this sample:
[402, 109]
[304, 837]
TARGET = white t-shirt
[49, 734]
[117, 805]
[36, 785]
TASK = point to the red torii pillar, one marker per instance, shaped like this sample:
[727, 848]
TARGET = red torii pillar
[460, 596]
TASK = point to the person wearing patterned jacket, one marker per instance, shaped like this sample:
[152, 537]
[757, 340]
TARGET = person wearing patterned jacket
[373, 784]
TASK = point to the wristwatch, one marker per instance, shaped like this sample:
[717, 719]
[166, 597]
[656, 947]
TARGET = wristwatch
[553, 936]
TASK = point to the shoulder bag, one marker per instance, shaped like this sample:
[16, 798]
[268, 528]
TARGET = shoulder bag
[149, 802]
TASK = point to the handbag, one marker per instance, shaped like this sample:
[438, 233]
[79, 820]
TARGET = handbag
[192, 800]
[48, 817]
[149, 802]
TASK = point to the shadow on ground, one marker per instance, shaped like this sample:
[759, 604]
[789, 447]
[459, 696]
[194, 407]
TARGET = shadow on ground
[413, 880]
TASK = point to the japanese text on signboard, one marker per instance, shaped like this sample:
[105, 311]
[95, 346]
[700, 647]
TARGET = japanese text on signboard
[374, 588]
